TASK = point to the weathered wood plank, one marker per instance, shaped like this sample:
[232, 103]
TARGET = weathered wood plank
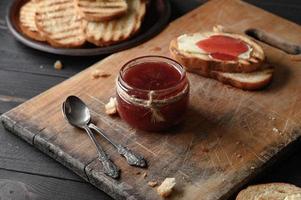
[20, 186]
[223, 120]
[48, 69]
[16, 155]
[24, 85]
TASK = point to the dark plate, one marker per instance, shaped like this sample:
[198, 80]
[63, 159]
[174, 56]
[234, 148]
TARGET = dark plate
[155, 20]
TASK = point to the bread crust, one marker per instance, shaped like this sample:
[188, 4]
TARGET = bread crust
[243, 195]
[100, 17]
[239, 84]
[234, 82]
[52, 36]
[35, 35]
[29, 31]
[114, 35]
[205, 63]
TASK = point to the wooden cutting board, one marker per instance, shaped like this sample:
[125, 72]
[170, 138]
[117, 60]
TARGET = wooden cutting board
[229, 135]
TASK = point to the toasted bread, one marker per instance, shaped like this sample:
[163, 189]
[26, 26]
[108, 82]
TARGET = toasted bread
[246, 81]
[271, 191]
[196, 58]
[111, 32]
[60, 23]
[101, 10]
[27, 21]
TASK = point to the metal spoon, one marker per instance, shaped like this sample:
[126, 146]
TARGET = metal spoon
[78, 115]
[131, 157]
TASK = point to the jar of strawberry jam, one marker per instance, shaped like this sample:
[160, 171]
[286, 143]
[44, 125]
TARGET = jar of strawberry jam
[152, 93]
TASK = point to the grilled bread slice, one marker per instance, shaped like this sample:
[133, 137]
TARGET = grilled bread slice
[101, 10]
[111, 32]
[246, 81]
[185, 49]
[27, 21]
[271, 191]
[60, 23]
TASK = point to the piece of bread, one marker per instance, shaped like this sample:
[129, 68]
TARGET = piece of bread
[101, 10]
[271, 191]
[246, 81]
[166, 187]
[185, 50]
[27, 21]
[60, 23]
[117, 30]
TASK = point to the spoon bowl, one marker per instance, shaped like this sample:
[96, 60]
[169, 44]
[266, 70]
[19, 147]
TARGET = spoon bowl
[76, 112]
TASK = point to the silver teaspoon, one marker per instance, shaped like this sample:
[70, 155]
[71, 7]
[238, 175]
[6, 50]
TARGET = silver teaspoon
[78, 115]
[131, 157]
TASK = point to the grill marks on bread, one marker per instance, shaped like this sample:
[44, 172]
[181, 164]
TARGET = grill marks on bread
[27, 21]
[101, 10]
[63, 23]
[59, 22]
[110, 32]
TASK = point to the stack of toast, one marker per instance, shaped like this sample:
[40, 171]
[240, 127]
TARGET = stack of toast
[72, 23]
[243, 67]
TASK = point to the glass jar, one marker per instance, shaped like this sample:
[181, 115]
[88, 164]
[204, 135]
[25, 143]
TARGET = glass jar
[152, 93]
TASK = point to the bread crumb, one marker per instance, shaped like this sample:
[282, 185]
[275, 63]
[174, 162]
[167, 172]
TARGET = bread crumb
[111, 106]
[99, 73]
[166, 187]
[152, 183]
[144, 175]
[218, 28]
[58, 65]
[276, 130]
[272, 118]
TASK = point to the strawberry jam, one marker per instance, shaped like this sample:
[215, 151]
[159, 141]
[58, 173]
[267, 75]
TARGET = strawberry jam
[223, 47]
[152, 93]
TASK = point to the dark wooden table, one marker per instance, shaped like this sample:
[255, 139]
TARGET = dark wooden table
[26, 173]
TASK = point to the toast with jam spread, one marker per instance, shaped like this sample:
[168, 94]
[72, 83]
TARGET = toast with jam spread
[227, 57]
[225, 52]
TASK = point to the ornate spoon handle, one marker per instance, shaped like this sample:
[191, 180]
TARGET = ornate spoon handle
[109, 167]
[131, 157]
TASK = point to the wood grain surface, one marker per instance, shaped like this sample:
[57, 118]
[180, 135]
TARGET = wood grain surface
[249, 105]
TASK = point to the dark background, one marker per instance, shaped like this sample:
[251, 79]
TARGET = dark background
[26, 173]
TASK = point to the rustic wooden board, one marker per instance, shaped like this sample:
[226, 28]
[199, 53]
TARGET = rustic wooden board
[228, 135]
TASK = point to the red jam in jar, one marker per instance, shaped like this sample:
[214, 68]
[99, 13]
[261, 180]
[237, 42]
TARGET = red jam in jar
[152, 93]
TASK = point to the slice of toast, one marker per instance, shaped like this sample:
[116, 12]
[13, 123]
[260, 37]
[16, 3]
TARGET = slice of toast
[101, 10]
[60, 23]
[27, 21]
[111, 32]
[271, 191]
[246, 81]
[185, 50]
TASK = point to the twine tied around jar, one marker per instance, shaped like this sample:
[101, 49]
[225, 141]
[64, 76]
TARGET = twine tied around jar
[152, 104]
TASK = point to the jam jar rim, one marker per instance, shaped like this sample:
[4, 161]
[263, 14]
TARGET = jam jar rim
[169, 61]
